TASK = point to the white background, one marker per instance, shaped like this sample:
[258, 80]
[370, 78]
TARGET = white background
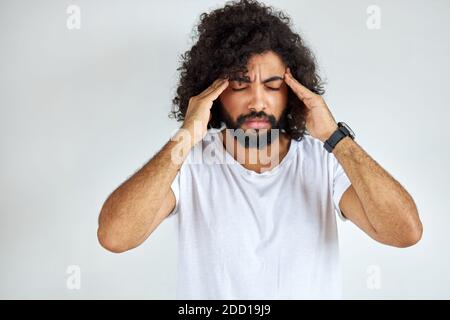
[82, 110]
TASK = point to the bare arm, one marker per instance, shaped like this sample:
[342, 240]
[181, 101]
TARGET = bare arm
[134, 210]
[375, 201]
[140, 204]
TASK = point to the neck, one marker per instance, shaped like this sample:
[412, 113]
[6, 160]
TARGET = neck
[258, 160]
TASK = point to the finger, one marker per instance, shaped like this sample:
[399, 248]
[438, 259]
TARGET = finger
[211, 88]
[213, 95]
[296, 85]
[301, 91]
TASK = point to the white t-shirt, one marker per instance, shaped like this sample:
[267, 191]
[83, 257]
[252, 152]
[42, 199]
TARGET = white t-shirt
[248, 235]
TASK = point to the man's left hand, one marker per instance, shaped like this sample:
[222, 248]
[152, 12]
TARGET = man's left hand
[320, 122]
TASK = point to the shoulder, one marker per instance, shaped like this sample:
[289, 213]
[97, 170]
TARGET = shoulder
[312, 150]
[311, 146]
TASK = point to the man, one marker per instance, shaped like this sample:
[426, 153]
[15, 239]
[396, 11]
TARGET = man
[255, 196]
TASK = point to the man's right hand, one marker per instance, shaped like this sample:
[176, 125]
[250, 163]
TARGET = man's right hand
[198, 113]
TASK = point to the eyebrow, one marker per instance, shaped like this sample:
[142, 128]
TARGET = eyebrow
[247, 79]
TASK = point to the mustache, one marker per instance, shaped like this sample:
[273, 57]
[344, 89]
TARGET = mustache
[256, 115]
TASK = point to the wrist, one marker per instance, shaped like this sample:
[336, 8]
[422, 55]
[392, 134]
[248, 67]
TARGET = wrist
[342, 131]
[185, 137]
[328, 134]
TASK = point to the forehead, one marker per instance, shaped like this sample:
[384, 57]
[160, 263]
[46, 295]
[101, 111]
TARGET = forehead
[268, 60]
[266, 64]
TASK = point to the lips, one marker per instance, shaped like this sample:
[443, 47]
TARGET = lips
[257, 123]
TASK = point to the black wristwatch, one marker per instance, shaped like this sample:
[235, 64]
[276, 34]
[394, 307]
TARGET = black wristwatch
[342, 131]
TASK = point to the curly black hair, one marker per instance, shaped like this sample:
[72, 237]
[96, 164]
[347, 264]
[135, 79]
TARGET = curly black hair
[227, 38]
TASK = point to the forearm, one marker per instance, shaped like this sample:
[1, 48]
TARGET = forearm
[130, 211]
[388, 206]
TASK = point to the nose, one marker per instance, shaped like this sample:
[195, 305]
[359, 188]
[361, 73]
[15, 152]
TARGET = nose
[257, 100]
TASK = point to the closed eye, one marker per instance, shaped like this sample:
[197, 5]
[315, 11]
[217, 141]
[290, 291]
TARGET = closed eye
[273, 89]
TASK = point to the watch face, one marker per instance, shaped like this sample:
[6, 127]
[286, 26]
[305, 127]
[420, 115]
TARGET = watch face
[343, 124]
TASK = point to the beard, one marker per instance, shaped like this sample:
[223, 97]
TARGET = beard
[254, 138]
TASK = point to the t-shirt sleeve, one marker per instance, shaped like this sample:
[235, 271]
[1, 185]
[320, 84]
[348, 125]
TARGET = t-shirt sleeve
[340, 183]
[175, 186]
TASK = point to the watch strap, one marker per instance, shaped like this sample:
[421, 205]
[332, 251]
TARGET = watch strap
[340, 133]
